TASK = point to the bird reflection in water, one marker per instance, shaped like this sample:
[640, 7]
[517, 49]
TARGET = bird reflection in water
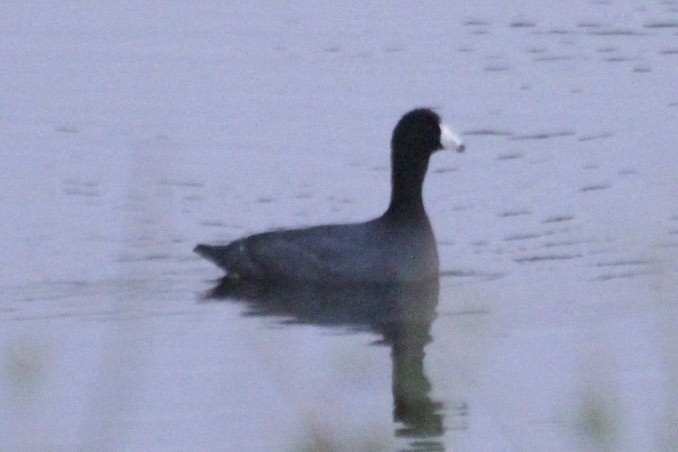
[401, 313]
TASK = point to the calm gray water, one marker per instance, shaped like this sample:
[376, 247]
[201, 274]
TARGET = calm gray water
[128, 133]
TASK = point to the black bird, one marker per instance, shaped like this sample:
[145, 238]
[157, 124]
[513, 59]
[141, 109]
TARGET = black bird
[397, 247]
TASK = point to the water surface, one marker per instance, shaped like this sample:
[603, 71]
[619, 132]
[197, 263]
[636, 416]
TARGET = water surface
[131, 132]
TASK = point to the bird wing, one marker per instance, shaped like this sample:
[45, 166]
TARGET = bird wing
[318, 253]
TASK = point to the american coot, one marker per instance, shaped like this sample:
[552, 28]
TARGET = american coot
[397, 247]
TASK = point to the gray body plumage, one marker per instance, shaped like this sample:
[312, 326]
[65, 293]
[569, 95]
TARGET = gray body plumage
[377, 251]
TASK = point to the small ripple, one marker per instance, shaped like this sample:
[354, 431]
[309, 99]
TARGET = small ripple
[660, 24]
[128, 258]
[606, 49]
[497, 68]
[594, 187]
[445, 169]
[487, 276]
[616, 32]
[589, 25]
[609, 276]
[523, 236]
[620, 263]
[548, 58]
[465, 312]
[488, 132]
[543, 135]
[555, 244]
[618, 59]
[558, 219]
[596, 136]
[212, 224]
[74, 187]
[514, 213]
[522, 24]
[81, 192]
[513, 156]
[546, 257]
[558, 32]
[475, 23]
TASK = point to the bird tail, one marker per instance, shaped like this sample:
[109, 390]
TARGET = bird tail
[210, 252]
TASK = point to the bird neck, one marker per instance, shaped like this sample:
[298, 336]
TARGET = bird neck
[407, 180]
